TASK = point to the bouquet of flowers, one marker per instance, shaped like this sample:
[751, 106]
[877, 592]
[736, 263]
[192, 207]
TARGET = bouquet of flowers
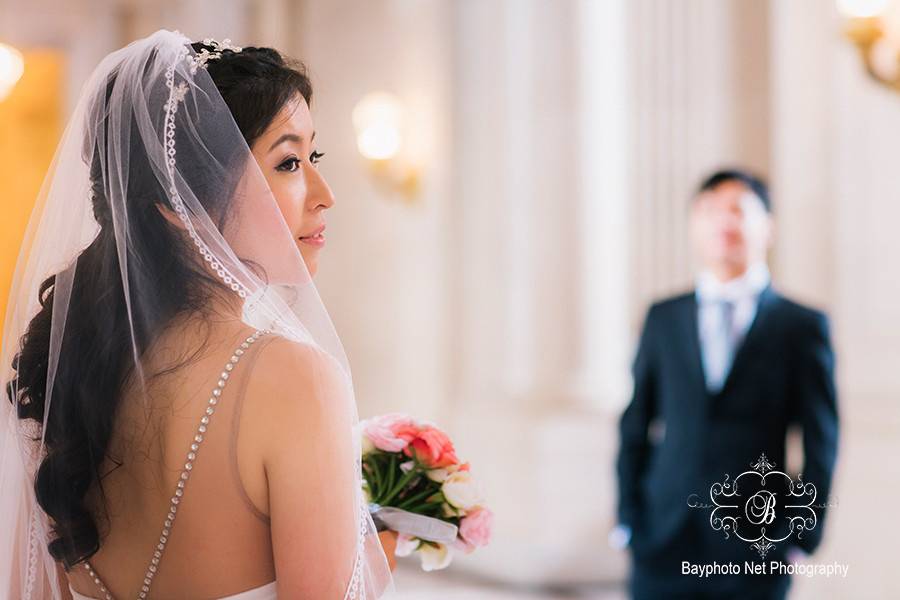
[417, 487]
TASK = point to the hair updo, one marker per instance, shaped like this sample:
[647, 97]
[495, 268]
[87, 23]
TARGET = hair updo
[96, 356]
[256, 83]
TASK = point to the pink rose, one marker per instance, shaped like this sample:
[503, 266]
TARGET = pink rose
[475, 528]
[461, 545]
[429, 445]
[383, 431]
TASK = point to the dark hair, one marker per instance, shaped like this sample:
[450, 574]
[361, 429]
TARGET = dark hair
[96, 356]
[753, 182]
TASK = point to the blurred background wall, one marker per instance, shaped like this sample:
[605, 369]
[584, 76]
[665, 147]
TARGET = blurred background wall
[557, 145]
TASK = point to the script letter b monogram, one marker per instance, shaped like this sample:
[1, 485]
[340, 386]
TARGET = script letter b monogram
[760, 508]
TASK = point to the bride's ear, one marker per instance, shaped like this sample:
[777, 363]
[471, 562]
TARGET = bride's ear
[169, 215]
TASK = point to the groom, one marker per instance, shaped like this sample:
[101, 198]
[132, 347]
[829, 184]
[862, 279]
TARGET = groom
[720, 374]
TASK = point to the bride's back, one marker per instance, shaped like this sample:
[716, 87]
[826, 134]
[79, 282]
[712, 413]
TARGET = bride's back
[220, 543]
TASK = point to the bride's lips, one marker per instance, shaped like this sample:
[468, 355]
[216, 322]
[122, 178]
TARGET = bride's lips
[315, 239]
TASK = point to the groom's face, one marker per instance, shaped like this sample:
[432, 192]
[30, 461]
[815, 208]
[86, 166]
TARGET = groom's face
[730, 227]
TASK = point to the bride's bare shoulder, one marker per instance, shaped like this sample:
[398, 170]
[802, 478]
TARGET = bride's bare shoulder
[294, 383]
[284, 366]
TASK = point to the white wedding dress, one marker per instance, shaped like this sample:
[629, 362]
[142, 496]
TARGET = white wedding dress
[264, 592]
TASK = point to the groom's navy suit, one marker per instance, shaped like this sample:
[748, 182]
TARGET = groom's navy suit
[677, 438]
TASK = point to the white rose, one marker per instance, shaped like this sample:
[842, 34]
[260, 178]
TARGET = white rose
[368, 447]
[441, 474]
[462, 491]
[406, 545]
[437, 475]
[434, 556]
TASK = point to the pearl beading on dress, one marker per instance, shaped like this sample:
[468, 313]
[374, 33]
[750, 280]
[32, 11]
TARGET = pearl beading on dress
[185, 474]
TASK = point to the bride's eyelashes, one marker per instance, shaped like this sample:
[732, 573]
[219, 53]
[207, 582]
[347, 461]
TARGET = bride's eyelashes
[293, 163]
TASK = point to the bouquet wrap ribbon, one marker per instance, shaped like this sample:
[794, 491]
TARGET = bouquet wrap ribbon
[420, 526]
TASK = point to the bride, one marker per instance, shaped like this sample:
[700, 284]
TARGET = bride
[179, 416]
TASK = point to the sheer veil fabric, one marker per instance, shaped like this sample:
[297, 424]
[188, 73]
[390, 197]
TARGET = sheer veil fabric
[150, 121]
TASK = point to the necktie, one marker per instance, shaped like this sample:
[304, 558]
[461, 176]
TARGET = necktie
[720, 348]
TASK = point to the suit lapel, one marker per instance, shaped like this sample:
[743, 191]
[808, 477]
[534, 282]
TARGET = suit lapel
[754, 335]
[691, 335]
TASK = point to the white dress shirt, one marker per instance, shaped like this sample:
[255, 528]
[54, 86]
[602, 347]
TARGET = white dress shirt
[725, 312]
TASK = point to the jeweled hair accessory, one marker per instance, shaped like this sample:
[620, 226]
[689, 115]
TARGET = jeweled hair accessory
[205, 55]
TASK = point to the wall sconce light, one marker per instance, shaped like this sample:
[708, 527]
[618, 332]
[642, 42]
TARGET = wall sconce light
[378, 120]
[877, 36]
[12, 66]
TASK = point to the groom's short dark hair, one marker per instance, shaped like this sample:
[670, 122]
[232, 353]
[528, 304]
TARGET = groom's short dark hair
[753, 182]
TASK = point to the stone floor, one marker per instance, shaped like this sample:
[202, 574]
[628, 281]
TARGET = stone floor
[413, 584]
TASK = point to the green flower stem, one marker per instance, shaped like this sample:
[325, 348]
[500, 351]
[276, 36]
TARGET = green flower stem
[376, 475]
[392, 471]
[423, 508]
[407, 477]
[413, 499]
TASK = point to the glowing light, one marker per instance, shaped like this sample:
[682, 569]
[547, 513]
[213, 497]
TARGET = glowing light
[12, 66]
[862, 8]
[377, 119]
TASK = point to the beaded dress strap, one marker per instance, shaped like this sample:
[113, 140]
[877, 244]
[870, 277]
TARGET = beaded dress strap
[185, 474]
